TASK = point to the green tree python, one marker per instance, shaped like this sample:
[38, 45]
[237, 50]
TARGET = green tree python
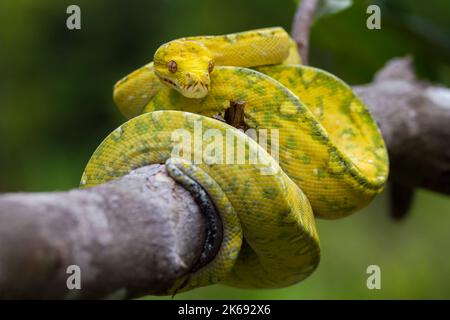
[332, 159]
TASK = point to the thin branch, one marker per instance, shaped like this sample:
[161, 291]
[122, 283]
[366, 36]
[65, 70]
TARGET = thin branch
[301, 26]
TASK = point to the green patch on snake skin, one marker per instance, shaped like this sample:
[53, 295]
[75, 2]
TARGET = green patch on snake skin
[270, 193]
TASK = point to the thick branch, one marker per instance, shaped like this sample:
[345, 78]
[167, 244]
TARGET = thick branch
[301, 26]
[130, 237]
[414, 117]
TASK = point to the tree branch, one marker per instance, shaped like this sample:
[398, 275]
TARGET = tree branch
[414, 118]
[301, 26]
[130, 237]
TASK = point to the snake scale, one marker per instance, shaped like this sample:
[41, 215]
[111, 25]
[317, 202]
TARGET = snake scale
[331, 156]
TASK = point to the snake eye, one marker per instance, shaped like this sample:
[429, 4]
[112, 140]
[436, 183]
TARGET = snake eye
[172, 65]
[211, 66]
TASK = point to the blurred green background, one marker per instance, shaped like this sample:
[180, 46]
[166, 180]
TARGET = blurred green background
[56, 107]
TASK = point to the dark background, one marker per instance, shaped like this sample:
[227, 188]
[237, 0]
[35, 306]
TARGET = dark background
[56, 107]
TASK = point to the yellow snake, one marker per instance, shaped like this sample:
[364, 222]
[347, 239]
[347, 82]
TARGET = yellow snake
[331, 153]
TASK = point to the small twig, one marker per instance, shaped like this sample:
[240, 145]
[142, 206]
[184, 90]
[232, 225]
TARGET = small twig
[234, 115]
[301, 26]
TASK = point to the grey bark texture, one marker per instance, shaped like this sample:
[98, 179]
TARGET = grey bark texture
[414, 118]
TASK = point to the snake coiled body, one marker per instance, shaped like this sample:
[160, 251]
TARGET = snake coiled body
[332, 158]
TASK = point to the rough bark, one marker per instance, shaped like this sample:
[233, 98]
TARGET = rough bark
[130, 237]
[414, 117]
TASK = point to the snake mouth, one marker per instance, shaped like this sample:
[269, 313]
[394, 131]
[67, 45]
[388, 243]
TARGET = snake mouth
[195, 89]
[169, 82]
[196, 85]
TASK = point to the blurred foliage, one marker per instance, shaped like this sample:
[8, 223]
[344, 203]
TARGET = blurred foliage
[56, 107]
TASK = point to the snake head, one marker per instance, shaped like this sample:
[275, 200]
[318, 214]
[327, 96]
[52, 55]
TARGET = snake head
[184, 66]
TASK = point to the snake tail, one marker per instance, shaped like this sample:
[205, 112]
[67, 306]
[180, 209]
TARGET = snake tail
[213, 223]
